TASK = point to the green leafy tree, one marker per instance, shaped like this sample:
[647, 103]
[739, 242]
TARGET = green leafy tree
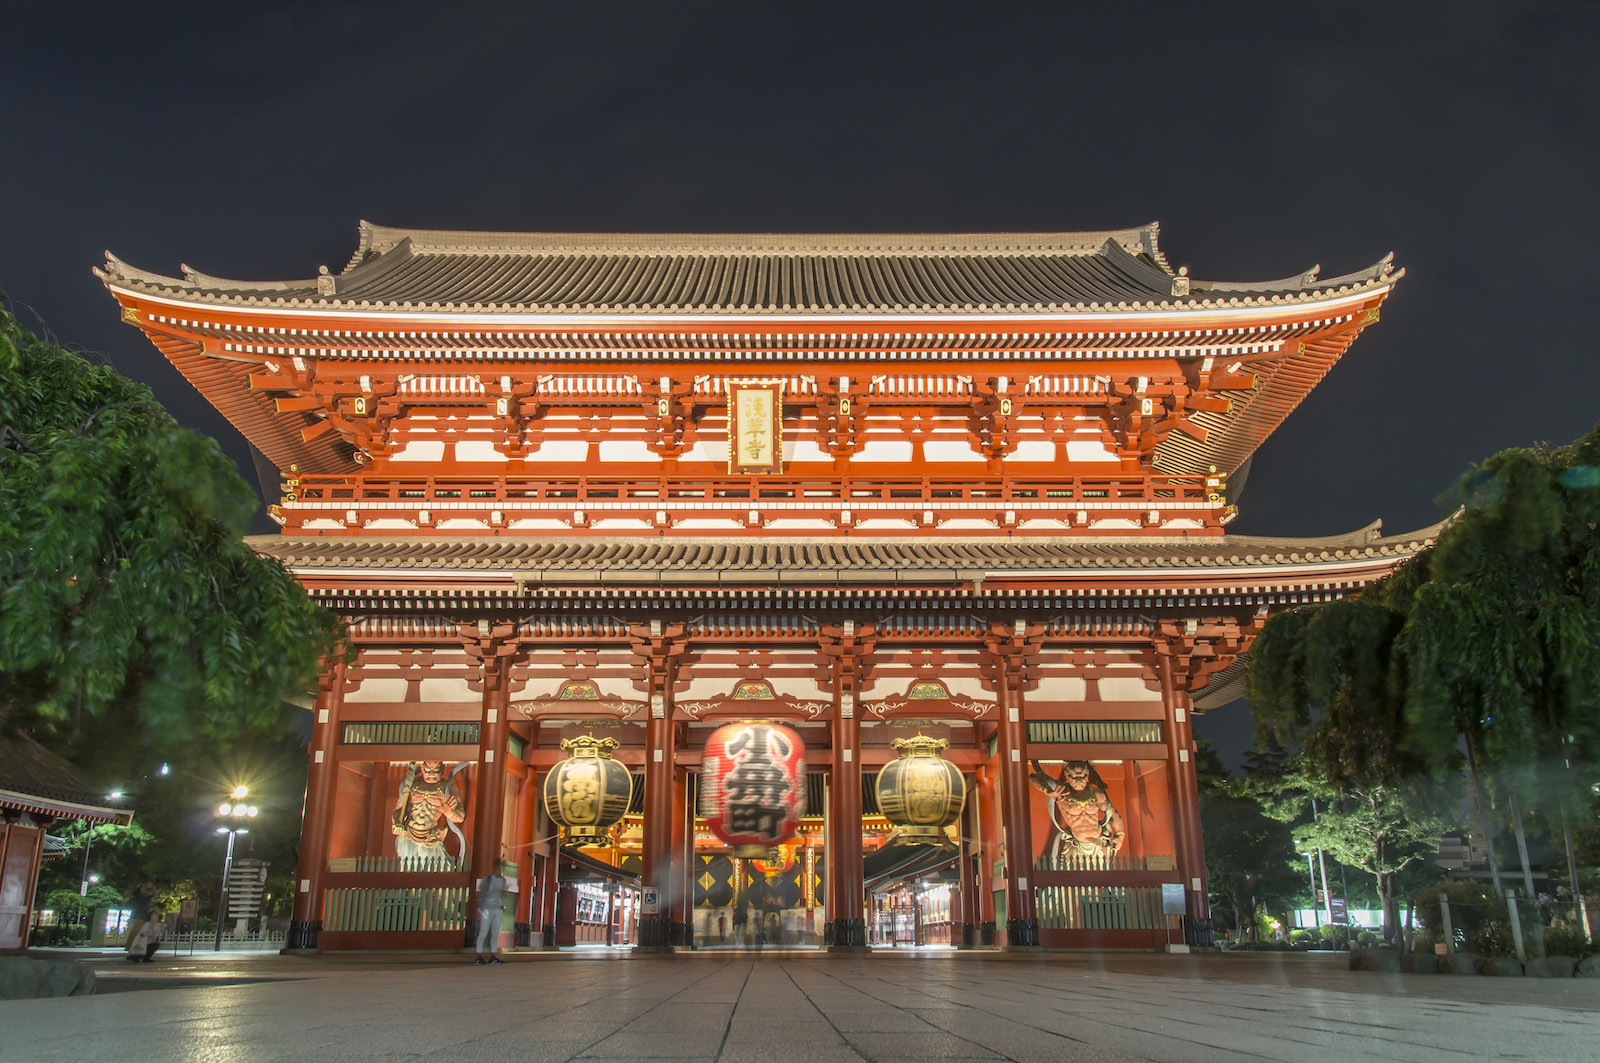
[1487, 644]
[124, 581]
[136, 627]
[1384, 829]
[1248, 854]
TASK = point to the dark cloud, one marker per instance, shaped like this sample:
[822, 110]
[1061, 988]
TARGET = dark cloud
[246, 140]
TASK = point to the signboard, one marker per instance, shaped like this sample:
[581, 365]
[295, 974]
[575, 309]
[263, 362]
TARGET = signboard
[246, 880]
[187, 911]
[755, 427]
[649, 901]
[1336, 911]
[1173, 901]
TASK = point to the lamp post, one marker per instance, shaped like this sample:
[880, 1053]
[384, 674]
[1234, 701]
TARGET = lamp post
[233, 813]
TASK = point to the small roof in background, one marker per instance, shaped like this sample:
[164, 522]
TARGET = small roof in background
[36, 781]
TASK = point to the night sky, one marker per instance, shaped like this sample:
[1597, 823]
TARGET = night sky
[248, 140]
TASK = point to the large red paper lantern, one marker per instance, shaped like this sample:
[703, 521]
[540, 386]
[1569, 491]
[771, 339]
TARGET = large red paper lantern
[753, 785]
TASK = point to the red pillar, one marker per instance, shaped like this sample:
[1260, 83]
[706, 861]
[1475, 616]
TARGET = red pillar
[660, 754]
[489, 787]
[527, 819]
[1186, 834]
[316, 823]
[489, 797]
[845, 646]
[1022, 924]
[544, 919]
[847, 927]
[682, 889]
[988, 831]
[970, 849]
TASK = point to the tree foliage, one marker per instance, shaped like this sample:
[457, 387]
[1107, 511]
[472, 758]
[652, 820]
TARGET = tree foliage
[125, 587]
[1491, 636]
[1249, 855]
[1381, 828]
[1487, 643]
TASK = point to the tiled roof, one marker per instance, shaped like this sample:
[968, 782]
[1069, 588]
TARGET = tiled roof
[33, 779]
[402, 269]
[610, 560]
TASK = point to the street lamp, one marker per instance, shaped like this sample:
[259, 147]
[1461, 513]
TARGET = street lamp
[234, 814]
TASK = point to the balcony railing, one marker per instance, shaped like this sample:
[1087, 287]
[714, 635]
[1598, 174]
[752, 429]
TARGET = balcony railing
[412, 733]
[430, 504]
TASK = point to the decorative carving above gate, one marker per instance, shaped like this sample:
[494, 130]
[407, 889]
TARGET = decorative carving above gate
[754, 697]
[577, 699]
[928, 699]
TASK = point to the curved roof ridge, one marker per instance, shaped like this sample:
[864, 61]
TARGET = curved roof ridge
[1141, 270]
[1371, 535]
[1381, 271]
[195, 279]
[120, 270]
[382, 238]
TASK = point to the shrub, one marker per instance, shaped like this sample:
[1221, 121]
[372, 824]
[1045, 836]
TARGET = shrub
[1366, 939]
[1300, 937]
[1491, 938]
[1566, 941]
[1472, 905]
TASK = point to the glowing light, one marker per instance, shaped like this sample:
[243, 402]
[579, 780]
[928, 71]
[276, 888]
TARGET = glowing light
[224, 809]
[240, 791]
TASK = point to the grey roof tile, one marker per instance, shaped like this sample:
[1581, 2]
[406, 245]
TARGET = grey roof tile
[566, 560]
[826, 273]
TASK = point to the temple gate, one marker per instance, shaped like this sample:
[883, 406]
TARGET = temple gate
[959, 489]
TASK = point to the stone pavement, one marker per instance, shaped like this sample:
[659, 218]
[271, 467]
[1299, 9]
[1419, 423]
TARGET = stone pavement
[796, 1008]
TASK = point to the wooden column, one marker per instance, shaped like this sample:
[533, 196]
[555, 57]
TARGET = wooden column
[1009, 646]
[316, 818]
[660, 752]
[847, 929]
[970, 848]
[682, 889]
[544, 921]
[523, 920]
[988, 829]
[657, 643]
[846, 644]
[1184, 789]
[1183, 716]
[488, 791]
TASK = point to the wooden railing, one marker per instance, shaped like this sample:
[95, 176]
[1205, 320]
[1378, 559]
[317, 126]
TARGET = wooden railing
[388, 865]
[1104, 862]
[1074, 732]
[420, 733]
[845, 501]
[368, 909]
[1100, 908]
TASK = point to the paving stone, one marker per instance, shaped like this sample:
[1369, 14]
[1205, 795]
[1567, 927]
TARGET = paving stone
[799, 1008]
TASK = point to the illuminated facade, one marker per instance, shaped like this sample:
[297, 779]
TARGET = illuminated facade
[972, 487]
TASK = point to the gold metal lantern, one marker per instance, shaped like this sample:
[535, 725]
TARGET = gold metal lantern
[921, 793]
[587, 792]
